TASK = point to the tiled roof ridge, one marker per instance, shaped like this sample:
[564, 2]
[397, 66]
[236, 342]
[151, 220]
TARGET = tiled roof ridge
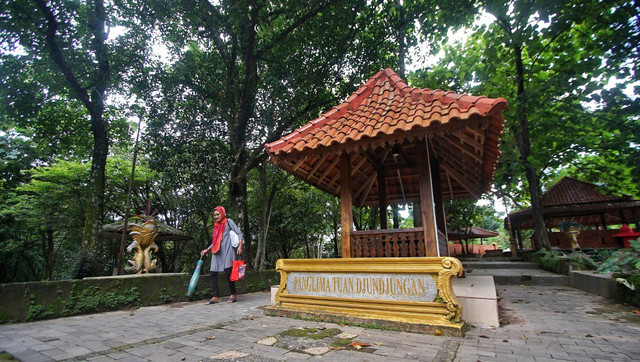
[487, 230]
[381, 92]
[337, 111]
[551, 196]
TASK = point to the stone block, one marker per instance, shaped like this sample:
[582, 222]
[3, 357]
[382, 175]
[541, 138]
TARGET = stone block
[477, 294]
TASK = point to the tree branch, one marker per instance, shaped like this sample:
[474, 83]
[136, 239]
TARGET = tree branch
[209, 12]
[280, 37]
[58, 57]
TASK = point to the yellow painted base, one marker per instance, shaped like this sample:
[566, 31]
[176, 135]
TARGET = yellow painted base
[412, 294]
[452, 329]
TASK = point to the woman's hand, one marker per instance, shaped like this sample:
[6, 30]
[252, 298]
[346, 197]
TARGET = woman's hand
[202, 253]
[239, 250]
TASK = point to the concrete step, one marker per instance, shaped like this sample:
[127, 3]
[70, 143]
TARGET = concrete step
[508, 276]
[554, 280]
[482, 264]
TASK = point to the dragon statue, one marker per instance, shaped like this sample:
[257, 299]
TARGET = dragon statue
[142, 246]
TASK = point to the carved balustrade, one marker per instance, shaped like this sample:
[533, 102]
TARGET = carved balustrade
[388, 243]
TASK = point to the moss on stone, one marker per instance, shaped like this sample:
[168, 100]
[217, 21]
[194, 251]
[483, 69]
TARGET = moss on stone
[312, 333]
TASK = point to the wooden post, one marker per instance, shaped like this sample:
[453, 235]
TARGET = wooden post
[623, 219]
[417, 215]
[382, 197]
[603, 220]
[346, 204]
[426, 199]
[438, 205]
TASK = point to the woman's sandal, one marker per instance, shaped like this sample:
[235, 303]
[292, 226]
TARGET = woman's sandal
[231, 300]
[211, 301]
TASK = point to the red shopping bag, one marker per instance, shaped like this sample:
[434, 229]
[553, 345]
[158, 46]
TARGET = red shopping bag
[237, 272]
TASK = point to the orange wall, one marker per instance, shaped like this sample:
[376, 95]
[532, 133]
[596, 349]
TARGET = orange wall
[456, 249]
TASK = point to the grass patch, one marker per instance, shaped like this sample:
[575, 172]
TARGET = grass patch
[341, 342]
[312, 333]
[4, 356]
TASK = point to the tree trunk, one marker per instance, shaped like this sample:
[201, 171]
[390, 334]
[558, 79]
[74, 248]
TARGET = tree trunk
[48, 267]
[238, 210]
[521, 132]
[91, 245]
[401, 31]
[265, 217]
[396, 217]
[92, 97]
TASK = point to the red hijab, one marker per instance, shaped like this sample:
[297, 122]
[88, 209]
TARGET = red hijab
[218, 230]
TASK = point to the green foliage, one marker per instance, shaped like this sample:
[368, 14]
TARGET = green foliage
[311, 333]
[35, 311]
[93, 299]
[625, 265]
[462, 215]
[582, 258]
[578, 123]
[548, 259]
[4, 356]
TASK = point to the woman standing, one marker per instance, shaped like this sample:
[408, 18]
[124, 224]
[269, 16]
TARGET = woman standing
[223, 253]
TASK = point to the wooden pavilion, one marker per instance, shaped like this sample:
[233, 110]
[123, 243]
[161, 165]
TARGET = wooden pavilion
[390, 143]
[572, 200]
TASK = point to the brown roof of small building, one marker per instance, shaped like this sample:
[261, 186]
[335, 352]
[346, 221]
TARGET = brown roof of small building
[386, 105]
[463, 132]
[583, 202]
[570, 191]
[474, 233]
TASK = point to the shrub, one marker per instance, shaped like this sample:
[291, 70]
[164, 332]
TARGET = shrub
[548, 259]
[625, 265]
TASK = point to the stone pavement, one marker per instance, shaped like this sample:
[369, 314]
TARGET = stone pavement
[540, 323]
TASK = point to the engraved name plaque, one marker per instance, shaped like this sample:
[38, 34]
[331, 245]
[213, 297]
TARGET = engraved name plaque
[416, 287]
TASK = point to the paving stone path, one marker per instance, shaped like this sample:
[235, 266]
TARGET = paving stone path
[540, 323]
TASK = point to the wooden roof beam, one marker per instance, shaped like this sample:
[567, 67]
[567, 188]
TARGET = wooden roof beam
[331, 167]
[365, 189]
[461, 179]
[299, 163]
[317, 165]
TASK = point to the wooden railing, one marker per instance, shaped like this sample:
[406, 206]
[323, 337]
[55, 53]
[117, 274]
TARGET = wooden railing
[387, 243]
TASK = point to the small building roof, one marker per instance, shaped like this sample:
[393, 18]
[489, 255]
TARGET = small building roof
[463, 130]
[583, 202]
[474, 233]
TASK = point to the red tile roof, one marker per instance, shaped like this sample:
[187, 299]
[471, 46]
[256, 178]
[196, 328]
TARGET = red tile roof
[385, 105]
[463, 132]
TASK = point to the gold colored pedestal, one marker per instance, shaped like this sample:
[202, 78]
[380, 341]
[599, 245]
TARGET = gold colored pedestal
[413, 294]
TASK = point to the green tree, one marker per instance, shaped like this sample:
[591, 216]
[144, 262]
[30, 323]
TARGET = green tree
[247, 72]
[60, 52]
[42, 219]
[551, 63]
[462, 215]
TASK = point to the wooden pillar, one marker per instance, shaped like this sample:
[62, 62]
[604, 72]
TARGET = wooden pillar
[426, 199]
[513, 242]
[623, 219]
[636, 216]
[346, 204]
[417, 215]
[382, 197]
[441, 220]
[520, 240]
[603, 220]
